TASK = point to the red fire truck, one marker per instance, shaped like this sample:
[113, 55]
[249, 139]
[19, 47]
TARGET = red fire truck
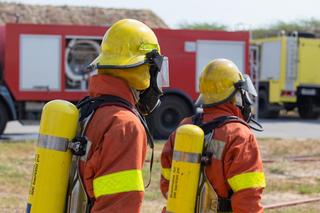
[39, 63]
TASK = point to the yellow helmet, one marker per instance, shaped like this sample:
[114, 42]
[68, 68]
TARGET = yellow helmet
[123, 52]
[220, 80]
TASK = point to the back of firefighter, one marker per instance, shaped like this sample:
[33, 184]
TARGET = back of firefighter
[111, 171]
[235, 169]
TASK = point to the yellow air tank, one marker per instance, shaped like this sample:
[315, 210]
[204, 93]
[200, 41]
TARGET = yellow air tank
[58, 125]
[185, 169]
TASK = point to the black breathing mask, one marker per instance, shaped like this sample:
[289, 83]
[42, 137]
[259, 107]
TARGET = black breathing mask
[246, 106]
[149, 98]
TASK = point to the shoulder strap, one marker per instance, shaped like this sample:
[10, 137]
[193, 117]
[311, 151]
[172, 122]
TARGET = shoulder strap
[89, 105]
[197, 118]
[218, 122]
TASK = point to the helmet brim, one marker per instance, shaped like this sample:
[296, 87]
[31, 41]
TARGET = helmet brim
[117, 60]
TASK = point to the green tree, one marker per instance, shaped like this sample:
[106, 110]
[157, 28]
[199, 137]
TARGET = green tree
[303, 25]
[203, 26]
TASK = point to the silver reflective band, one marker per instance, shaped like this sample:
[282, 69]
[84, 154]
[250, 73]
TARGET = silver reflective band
[53, 142]
[187, 157]
[216, 147]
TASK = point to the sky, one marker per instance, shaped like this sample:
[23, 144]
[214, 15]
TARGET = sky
[236, 14]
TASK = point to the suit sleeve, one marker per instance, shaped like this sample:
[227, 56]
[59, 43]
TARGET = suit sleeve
[244, 173]
[166, 160]
[117, 184]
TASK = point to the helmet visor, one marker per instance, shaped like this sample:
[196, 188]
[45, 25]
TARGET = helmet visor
[163, 75]
[248, 86]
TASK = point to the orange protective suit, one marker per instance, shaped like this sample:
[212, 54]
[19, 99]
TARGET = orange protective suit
[236, 167]
[112, 172]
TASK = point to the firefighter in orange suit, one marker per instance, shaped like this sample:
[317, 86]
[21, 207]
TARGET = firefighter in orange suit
[231, 161]
[128, 68]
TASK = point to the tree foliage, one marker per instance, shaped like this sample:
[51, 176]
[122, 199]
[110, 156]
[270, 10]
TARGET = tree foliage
[203, 26]
[302, 25]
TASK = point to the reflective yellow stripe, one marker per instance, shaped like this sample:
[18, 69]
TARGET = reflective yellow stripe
[166, 172]
[124, 181]
[247, 180]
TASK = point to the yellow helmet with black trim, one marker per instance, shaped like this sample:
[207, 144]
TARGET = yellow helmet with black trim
[125, 46]
[221, 81]
[217, 81]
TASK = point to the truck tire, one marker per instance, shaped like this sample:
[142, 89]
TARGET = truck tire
[4, 117]
[166, 118]
[264, 107]
[306, 109]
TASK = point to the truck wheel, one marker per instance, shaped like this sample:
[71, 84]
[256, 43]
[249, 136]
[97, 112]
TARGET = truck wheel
[264, 107]
[3, 117]
[165, 119]
[306, 109]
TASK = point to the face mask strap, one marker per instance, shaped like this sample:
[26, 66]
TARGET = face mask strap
[240, 85]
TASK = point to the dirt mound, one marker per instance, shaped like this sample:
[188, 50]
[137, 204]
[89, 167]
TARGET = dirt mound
[24, 13]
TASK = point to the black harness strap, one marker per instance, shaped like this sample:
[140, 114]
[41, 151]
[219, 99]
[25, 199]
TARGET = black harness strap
[218, 122]
[89, 105]
[224, 204]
